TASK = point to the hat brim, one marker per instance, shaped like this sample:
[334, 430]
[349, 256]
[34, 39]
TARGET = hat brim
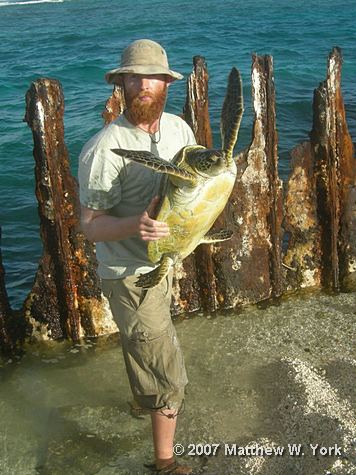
[112, 76]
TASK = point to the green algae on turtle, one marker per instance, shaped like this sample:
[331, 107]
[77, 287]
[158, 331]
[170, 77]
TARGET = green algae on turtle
[199, 184]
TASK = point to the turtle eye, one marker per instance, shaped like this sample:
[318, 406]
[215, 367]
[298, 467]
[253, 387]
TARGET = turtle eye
[207, 163]
[204, 160]
[211, 155]
[215, 156]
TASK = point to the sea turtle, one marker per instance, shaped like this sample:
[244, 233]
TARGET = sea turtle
[199, 184]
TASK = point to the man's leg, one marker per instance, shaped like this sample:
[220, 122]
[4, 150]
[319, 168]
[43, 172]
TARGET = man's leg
[163, 430]
[153, 359]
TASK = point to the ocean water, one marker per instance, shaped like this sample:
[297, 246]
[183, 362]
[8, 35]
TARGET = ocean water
[77, 41]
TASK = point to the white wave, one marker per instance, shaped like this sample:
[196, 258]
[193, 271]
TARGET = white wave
[29, 2]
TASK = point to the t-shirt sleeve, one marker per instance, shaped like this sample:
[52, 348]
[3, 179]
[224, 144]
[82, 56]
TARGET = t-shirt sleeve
[99, 176]
[187, 133]
[190, 138]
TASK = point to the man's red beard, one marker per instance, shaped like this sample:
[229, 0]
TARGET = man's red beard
[145, 112]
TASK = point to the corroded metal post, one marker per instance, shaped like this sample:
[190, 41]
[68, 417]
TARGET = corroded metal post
[65, 300]
[197, 289]
[302, 259]
[335, 174]
[114, 106]
[196, 109]
[275, 214]
[322, 221]
[248, 267]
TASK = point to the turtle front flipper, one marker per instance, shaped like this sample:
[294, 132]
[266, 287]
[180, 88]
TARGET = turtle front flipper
[149, 160]
[231, 113]
[223, 235]
[155, 276]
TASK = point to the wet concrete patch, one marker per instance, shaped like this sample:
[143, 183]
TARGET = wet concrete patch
[279, 378]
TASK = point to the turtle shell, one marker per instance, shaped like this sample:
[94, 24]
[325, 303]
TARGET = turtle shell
[190, 210]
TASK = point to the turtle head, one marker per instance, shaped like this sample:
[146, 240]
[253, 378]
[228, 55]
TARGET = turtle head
[207, 162]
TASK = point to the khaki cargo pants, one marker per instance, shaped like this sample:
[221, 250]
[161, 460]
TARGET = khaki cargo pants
[153, 358]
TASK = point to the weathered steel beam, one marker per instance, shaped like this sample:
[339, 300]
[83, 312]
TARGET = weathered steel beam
[322, 222]
[114, 106]
[194, 282]
[248, 267]
[196, 109]
[335, 175]
[65, 300]
[302, 259]
[275, 215]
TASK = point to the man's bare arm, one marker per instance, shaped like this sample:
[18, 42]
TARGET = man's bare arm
[98, 225]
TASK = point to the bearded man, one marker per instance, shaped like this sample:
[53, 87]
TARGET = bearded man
[118, 198]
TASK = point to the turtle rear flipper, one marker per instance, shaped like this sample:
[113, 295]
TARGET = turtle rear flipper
[149, 160]
[231, 113]
[155, 276]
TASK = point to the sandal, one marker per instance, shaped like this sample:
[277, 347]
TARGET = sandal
[173, 468]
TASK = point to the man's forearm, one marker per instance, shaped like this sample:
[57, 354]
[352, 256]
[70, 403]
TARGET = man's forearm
[110, 228]
[98, 225]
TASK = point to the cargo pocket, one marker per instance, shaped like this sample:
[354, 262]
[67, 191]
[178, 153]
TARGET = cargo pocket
[155, 362]
[153, 312]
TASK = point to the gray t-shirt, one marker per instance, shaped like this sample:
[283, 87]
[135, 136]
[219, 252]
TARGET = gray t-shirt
[125, 188]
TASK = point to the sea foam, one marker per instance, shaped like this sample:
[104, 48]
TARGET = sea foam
[29, 2]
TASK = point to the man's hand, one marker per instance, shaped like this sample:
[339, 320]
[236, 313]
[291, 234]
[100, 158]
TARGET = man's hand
[149, 229]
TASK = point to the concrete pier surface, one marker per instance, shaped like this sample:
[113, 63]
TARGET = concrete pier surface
[264, 385]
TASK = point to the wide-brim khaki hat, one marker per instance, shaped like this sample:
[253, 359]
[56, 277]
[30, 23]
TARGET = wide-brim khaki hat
[142, 57]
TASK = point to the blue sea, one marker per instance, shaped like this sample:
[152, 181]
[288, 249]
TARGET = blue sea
[77, 41]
